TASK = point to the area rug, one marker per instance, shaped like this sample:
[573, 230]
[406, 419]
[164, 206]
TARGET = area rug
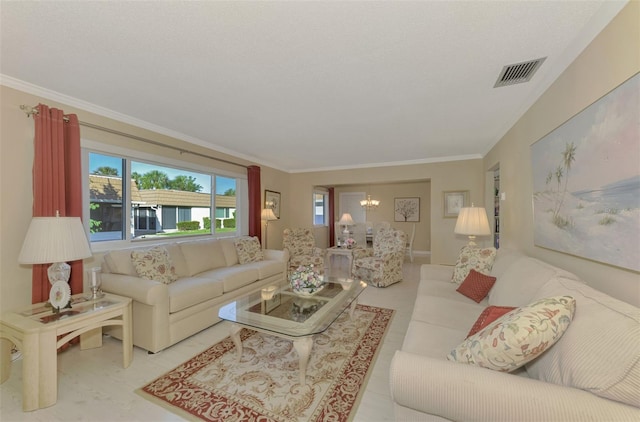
[264, 385]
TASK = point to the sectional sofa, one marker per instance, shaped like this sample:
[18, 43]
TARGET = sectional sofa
[177, 288]
[591, 373]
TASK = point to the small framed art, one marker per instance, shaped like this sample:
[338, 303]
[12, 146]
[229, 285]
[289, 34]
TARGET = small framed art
[406, 209]
[454, 201]
[272, 200]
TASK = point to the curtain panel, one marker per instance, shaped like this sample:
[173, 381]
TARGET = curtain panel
[57, 184]
[255, 202]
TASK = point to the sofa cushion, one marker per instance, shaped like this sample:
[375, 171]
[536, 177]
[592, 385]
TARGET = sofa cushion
[488, 315]
[518, 283]
[518, 336]
[177, 258]
[504, 258]
[154, 264]
[234, 277]
[600, 352]
[476, 285]
[229, 250]
[472, 257]
[266, 268]
[119, 262]
[430, 340]
[248, 249]
[190, 291]
[202, 256]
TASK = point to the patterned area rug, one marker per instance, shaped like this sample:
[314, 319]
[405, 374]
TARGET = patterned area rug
[264, 385]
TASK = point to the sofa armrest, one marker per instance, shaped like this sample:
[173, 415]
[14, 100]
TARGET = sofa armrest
[359, 253]
[149, 292]
[276, 255]
[437, 272]
[463, 392]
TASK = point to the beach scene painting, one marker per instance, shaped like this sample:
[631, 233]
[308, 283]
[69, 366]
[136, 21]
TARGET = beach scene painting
[586, 181]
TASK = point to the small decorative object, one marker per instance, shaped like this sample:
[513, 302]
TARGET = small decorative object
[350, 242]
[60, 295]
[305, 281]
[95, 282]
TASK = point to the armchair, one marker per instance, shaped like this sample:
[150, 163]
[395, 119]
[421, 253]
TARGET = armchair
[301, 245]
[382, 265]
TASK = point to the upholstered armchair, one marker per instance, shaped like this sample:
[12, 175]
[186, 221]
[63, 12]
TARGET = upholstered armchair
[382, 265]
[302, 248]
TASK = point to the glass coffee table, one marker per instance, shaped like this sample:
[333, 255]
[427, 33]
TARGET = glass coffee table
[281, 312]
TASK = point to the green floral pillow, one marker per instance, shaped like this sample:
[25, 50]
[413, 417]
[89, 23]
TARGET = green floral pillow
[154, 264]
[473, 258]
[248, 249]
[518, 337]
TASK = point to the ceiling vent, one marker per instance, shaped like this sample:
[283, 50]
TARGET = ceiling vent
[518, 73]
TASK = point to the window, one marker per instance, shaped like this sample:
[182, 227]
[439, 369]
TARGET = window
[320, 208]
[132, 199]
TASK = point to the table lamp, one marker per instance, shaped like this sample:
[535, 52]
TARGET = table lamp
[472, 222]
[346, 221]
[55, 240]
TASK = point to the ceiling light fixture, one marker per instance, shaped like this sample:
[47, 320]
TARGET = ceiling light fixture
[369, 204]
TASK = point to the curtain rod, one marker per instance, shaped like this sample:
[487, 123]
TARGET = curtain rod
[29, 111]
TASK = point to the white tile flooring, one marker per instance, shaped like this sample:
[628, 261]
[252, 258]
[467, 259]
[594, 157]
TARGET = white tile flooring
[93, 386]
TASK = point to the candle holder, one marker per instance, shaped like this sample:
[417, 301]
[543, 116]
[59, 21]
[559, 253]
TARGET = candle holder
[95, 283]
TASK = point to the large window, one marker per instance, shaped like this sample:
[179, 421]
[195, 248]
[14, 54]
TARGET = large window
[132, 199]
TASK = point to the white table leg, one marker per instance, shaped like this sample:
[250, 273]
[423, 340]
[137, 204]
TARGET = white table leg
[234, 331]
[303, 346]
[127, 335]
[353, 307]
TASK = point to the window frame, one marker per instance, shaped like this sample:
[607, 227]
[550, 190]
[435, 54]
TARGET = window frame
[325, 195]
[129, 155]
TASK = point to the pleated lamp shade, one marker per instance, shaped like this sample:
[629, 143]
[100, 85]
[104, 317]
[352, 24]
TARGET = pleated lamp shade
[472, 222]
[54, 239]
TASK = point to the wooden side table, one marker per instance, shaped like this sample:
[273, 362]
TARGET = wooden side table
[35, 331]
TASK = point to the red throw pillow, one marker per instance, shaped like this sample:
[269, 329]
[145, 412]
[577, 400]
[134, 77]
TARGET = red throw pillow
[476, 285]
[490, 314]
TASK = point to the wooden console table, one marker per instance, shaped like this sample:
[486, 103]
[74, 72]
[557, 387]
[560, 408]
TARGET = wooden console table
[35, 331]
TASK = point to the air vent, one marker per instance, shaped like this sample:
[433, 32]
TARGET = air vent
[518, 73]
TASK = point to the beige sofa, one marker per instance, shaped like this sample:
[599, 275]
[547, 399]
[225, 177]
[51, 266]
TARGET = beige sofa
[591, 373]
[209, 274]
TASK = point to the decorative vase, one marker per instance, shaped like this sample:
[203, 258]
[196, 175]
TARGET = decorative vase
[305, 281]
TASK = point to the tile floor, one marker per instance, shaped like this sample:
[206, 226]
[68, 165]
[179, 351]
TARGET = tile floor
[93, 386]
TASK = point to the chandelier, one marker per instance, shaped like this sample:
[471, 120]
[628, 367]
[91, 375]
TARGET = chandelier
[369, 204]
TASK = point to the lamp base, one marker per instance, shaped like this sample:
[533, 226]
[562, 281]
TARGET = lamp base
[59, 271]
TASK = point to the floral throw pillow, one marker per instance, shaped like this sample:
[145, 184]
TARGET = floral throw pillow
[248, 249]
[472, 257]
[517, 337]
[154, 264]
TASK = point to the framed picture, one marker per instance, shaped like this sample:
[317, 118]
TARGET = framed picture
[407, 209]
[586, 181]
[272, 200]
[454, 201]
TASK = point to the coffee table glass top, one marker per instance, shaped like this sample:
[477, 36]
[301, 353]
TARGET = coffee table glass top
[282, 311]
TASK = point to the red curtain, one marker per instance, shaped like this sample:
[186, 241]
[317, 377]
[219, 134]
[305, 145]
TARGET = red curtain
[57, 184]
[332, 226]
[255, 203]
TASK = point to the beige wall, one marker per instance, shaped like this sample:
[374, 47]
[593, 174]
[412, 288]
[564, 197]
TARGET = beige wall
[607, 62]
[453, 175]
[16, 158]
[386, 193]
[612, 57]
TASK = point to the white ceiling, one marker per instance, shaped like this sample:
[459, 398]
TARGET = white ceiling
[301, 85]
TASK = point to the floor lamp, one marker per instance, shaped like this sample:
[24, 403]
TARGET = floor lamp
[266, 216]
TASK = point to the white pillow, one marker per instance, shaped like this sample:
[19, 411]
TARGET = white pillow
[517, 337]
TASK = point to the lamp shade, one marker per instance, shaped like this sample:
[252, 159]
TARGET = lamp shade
[472, 221]
[267, 215]
[54, 239]
[346, 219]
